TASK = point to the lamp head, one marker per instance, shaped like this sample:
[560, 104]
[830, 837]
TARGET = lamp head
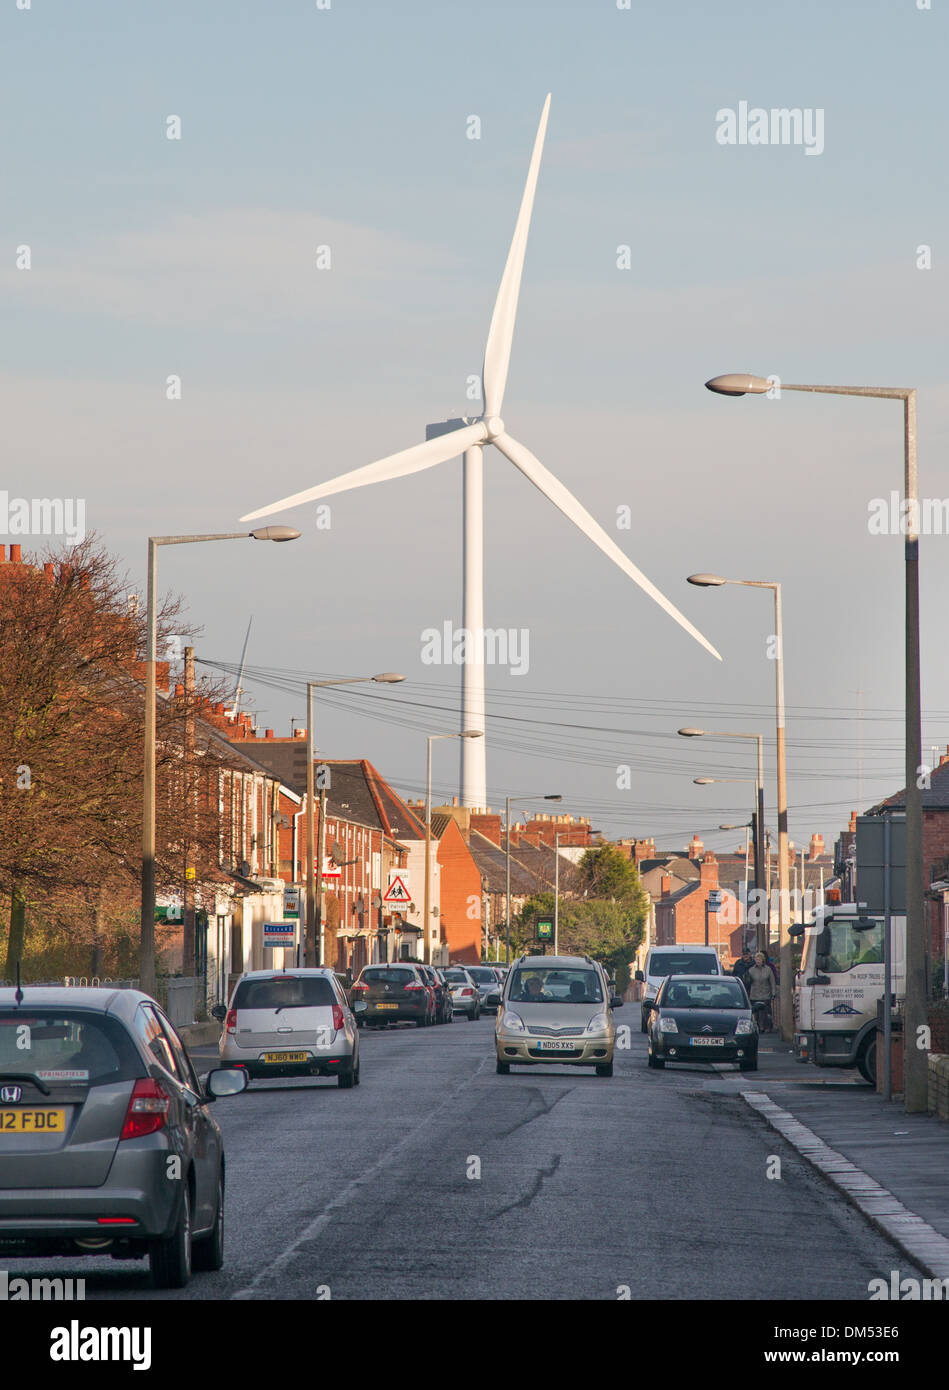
[388, 678]
[691, 733]
[275, 533]
[706, 581]
[739, 384]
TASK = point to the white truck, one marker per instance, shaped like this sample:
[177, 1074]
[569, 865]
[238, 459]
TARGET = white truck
[840, 982]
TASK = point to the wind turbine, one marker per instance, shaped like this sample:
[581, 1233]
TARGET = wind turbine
[468, 437]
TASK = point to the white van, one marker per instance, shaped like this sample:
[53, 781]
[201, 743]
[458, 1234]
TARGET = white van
[674, 960]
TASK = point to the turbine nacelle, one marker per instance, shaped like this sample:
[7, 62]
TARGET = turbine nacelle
[494, 426]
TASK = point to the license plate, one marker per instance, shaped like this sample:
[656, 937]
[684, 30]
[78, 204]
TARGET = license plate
[32, 1121]
[706, 1042]
[285, 1057]
[387, 1006]
[556, 1046]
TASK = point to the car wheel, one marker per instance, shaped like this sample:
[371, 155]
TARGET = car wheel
[604, 1068]
[346, 1080]
[208, 1252]
[645, 1025]
[356, 1072]
[656, 1062]
[503, 1068]
[748, 1064]
[170, 1256]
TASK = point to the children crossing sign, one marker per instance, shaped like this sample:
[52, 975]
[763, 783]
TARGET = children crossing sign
[397, 891]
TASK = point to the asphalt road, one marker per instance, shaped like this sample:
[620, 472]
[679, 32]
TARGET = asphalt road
[438, 1179]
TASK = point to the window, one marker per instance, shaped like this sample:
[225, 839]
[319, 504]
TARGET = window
[183, 1066]
[149, 1030]
[723, 993]
[285, 992]
[536, 985]
[848, 947]
[64, 1046]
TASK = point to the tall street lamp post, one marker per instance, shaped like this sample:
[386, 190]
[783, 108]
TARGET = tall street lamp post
[508, 803]
[146, 952]
[427, 898]
[915, 1068]
[762, 925]
[313, 951]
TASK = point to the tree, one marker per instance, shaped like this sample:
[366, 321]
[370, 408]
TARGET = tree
[71, 748]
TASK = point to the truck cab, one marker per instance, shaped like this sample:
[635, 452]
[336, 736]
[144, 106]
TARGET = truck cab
[840, 982]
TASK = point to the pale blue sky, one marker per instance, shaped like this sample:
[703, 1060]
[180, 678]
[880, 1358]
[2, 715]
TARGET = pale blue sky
[347, 127]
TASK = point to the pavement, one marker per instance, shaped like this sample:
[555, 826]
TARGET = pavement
[892, 1166]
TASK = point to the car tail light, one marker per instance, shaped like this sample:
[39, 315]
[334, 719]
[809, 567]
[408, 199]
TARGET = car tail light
[467, 990]
[413, 987]
[360, 986]
[148, 1109]
[338, 1020]
[230, 1023]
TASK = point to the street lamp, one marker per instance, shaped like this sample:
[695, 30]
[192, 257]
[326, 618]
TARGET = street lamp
[508, 802]
[314, 904]
[427, 901]
[916, 1077]
[763, 927]
[146, 953]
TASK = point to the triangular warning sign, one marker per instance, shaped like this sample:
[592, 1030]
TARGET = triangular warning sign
[397, 892]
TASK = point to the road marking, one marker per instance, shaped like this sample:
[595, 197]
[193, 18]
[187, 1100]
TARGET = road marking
[342, 1199]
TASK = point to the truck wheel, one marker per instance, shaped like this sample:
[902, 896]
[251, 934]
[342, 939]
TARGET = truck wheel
[867, 1061]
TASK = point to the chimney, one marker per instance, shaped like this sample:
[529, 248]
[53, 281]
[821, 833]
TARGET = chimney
[853, 822]
[665, 885]
[708, 870]
[454, 801]
[268, 733]
[695, 847]
[817, 846]
[15, 555]
[299, 733]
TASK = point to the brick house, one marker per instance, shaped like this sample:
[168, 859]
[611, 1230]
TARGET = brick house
[935, 799]
[681, 913]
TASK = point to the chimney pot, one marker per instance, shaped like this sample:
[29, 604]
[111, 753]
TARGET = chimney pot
[268, 733]
[15, 554]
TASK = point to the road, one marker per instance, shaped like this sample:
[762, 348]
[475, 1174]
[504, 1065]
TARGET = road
[649, 1182]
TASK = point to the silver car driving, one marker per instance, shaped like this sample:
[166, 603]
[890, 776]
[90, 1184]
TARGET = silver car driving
[106, 1143]
[294, 1022]
[556, 1009]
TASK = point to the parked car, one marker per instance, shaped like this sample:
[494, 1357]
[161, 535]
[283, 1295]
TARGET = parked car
[97, 1094]
[441, 992]
[465, 995]
[489, 986]
[293, 1022]
[556, 1009]
[448, 1008]
[673, 960]
[702, 1018]
[394, 993]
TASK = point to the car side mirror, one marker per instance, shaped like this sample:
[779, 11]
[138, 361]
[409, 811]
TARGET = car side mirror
[219, 1012]
[225, 1081]
[616, 1002]
[640, 977]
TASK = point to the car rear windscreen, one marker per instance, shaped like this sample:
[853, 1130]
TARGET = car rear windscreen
[289, 992]
[482, 974]
[681, 963]
[63, 1046]
[382, 976]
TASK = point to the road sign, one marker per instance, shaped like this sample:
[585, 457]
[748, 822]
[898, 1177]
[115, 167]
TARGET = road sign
[280, 933]
[331, 870]
[871, 862]
[291, 902]
[397, 891]
[545, 929]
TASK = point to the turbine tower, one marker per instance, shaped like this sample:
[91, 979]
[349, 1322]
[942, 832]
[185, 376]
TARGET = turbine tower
[467, 438]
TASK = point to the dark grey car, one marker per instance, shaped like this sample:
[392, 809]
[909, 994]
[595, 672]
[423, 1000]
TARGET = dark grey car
[106, 1142]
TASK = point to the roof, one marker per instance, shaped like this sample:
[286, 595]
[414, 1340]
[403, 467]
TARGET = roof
[356, 790]
[935, 797]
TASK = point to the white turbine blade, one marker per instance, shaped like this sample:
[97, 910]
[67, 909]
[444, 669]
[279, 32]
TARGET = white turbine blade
[554, 490]
[414, 460]
[497, 353]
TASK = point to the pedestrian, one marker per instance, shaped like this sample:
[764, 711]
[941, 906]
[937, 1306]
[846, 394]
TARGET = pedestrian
[760, 984]
[742, 965]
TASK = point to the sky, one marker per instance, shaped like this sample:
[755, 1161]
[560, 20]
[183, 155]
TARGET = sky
[347, 125]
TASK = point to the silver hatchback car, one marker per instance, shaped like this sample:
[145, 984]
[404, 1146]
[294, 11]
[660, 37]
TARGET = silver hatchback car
[556, 1009]
[106, 1143]
[294, 1022]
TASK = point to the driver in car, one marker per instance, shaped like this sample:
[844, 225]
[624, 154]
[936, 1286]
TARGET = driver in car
[534, 991]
